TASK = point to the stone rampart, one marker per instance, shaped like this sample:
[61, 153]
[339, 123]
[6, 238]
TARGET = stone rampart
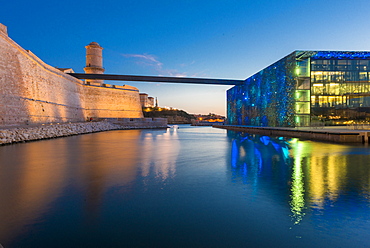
[33, 92]
[124, 102]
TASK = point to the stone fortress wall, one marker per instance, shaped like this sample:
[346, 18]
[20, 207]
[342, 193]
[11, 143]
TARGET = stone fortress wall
[32, 92]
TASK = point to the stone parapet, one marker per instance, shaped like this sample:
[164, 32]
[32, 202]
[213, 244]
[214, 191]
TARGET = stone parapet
[3, 29]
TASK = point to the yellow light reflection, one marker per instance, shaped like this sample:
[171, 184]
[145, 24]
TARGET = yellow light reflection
[297, 202]
[318, 175]
[327, 176]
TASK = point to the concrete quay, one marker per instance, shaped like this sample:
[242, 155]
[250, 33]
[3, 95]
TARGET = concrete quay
[138, 122]
[328, 134]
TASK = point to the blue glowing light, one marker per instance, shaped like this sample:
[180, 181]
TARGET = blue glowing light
[285, 151]
[276, 146]
[258, 157]
[341, 55]
[245, 169]
[265, 140]
[270, 100]
[234, 154]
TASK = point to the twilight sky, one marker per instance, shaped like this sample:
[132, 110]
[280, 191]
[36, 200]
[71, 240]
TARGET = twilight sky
[230, 39]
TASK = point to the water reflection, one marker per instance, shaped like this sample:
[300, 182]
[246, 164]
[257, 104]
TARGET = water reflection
[27, 192]
[319, 175]
[35, 175]
[159, 152]
[102, 161]
[159, 187]
[252, 155]
[297, 202]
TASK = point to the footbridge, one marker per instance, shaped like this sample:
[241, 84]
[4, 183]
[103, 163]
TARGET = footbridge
[181, 80]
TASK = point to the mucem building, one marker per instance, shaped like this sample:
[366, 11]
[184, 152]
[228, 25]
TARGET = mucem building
[305, 88]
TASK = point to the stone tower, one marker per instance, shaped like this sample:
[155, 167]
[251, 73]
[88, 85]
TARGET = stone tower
[94, 61]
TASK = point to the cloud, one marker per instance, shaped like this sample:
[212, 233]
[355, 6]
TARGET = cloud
[173, 73]
[145, 59]
[185, 64]
[152, 61]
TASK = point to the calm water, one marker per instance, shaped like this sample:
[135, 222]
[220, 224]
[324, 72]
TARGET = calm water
[191, 187]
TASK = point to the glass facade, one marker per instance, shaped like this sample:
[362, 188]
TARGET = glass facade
[305, 88]
[266, 98]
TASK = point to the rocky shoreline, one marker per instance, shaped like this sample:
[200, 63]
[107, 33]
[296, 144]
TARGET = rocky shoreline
[12, 135]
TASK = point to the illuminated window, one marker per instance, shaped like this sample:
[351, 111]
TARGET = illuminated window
[302, 95]
[302, 107]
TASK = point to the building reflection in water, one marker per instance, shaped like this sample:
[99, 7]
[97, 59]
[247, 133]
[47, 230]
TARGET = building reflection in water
[102, 161]
[253, 155]
[315, 175]
[297, 202]
[28, 191]
[159, 152]
[33, 176]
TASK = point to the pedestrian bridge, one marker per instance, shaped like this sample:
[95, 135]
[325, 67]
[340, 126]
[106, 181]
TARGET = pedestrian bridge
[181, 80]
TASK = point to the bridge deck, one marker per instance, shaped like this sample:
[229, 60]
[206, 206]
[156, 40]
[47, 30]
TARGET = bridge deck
[182, 80]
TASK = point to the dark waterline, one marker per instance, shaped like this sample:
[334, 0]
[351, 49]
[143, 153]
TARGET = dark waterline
[190, 187]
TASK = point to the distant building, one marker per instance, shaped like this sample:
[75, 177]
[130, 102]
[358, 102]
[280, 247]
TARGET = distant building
[151, 102]
[304, 88]
[208, 120]
[146, 101]
[65, 70]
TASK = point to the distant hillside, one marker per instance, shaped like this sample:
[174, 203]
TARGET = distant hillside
[174, 116]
